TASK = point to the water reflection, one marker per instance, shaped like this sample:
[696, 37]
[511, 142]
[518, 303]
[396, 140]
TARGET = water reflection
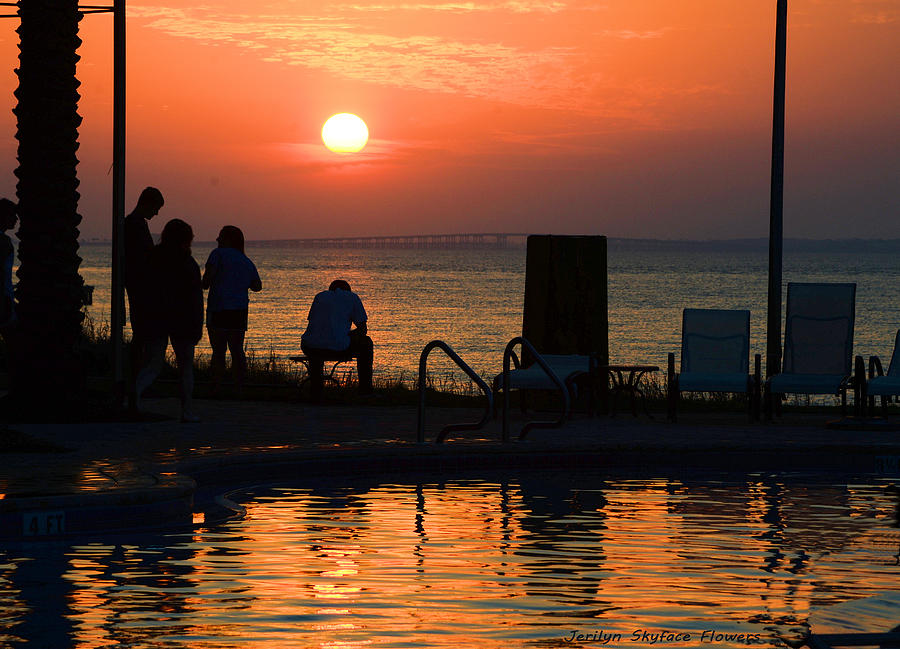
[562, 548]
[36, 600]
[57, 595]
[510, 562]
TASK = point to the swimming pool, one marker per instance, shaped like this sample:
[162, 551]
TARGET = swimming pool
[520, 560]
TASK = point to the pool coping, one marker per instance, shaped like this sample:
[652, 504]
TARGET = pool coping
[197, 484]
[113, 510]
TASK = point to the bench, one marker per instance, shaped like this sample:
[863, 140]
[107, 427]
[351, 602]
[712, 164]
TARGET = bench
[328, 375]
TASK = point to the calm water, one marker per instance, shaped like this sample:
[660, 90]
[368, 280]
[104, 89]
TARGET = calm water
[512, 562]
[473, 299]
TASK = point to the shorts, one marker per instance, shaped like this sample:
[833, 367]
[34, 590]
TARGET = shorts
[227, 319]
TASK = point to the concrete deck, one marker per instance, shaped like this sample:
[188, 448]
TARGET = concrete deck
[117, 475]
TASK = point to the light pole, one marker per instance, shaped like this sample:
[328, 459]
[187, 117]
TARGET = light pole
[117, 297]
[776, 199]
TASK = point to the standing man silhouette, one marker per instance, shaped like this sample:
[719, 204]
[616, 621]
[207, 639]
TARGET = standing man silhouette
[138, 246]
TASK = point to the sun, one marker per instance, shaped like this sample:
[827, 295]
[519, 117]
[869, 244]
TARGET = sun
[345, 133]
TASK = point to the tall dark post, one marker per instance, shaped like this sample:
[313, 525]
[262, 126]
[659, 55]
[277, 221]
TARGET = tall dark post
[776, 201]
[50, 291]
[117, 316]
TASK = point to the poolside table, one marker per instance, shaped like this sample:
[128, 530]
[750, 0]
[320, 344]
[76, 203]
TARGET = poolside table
[626, 379]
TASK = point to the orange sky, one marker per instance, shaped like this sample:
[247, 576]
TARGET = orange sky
[642, 118]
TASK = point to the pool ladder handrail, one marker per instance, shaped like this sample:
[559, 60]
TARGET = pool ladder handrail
[451, 428]
[563, 390]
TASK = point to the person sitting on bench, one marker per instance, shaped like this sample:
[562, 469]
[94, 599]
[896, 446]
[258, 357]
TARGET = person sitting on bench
[329, 336]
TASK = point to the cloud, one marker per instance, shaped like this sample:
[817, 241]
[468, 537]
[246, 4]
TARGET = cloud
[315, 157]
[345, 45]
[341, 46]
[628, 34]
[886, 17]
[459, 7]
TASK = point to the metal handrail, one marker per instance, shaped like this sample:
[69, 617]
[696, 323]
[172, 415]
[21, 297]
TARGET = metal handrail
[563, 390]
[420, 424]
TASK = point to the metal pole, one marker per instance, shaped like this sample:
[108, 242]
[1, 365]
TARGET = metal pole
[117, 317]
[776, 201]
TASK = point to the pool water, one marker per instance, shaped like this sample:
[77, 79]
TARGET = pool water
[511, 562]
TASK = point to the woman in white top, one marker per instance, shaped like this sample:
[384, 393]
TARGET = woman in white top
[229, 274]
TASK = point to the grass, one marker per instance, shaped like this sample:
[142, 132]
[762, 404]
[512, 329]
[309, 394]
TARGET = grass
[272, 378]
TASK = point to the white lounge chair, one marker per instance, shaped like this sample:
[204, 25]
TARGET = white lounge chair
[715, 357]
[881, 384]
[557, 372]
[568, 367]
[818, 342]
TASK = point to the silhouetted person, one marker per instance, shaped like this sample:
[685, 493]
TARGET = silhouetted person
[329, 336]
[8, 319]
[8, 217]
[175, 311]
[138, 246]
[228, 275]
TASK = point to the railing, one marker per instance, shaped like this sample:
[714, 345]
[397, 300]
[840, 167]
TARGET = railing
[563, 390]
[423, 360]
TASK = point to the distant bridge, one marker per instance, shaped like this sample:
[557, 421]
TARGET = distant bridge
[483, 240]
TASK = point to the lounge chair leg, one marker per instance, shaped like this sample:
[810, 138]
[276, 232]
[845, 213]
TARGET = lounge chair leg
[859, 387]
[771, 401]
[756, 387]
[592, 408]
[573, 395]
[504, 427]
[671, 389]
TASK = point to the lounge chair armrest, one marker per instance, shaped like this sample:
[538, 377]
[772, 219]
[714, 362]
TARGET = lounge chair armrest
[672, 393]
[859, 386]
[875, 368]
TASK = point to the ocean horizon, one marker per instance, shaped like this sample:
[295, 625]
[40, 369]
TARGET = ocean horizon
[790, 244]
[472, 298]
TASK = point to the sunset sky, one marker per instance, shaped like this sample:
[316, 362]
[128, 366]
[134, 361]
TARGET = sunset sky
[637, 118]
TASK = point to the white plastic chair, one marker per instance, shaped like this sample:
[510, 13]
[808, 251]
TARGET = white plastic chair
[881, 384]
[818, 342]
[715, 357]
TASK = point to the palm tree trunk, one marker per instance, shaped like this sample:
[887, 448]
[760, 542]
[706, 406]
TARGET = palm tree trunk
[50, 289]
